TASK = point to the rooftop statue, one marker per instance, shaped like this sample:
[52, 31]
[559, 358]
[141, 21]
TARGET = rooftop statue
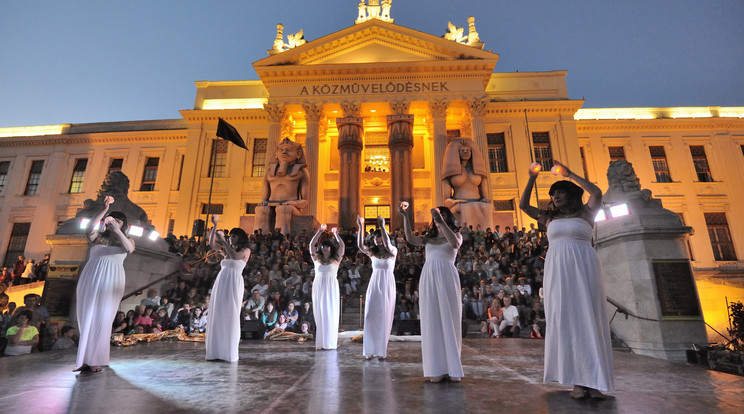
[285, 187]
[465, 184]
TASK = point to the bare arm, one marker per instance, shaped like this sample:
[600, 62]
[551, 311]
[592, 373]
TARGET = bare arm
[454, 239]
[360, 236]
[341, 245]
[595, 194]
[92, 231]
[385, 236]
[115, 227]
[314, 241]
[524, 201]
[213, 234]
[408, 231]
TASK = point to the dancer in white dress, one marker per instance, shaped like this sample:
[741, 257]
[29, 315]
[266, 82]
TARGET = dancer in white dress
[379, 309]
[326, 297]
[578, 349]
[440, 298]
[223, 323]
[101, 286]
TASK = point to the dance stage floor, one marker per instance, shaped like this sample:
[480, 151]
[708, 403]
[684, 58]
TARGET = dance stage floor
[501, 376]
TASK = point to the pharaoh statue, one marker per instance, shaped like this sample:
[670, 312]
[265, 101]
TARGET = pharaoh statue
[285, 187]
[465, 184]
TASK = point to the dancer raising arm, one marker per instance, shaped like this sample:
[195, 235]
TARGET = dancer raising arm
[578, 350]
[223, 323]
[379, 309]
[101, 286]
[326, 299]
[440, 298]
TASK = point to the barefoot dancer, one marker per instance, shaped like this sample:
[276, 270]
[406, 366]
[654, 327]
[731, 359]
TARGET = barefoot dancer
[578, 350]
[101, 286]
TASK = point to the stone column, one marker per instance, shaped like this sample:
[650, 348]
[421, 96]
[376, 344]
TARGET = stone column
[400, 143]
[477, 107]
[313, 114]
[350, 129]
[275, 114]
[438, 111]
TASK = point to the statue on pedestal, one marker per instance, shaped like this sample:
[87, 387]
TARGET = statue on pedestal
[285, 188]
[465, 184]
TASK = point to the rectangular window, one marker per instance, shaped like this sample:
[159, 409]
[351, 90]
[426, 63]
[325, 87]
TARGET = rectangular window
[34, 177]
[617, 153]
[171, 225]
[180, 173]
[720, 236]
[496, 153]
[259, 157]
[218, 161]
[76, 182]
[150, 174]
[4, 168]
[215, 208]
[376, 158]
[17, 242]
[115, 164]
[583, 163]
[700, 161]
[659, 160]
[372, 211]
[250, 208]
[543, 154]
[503, 205]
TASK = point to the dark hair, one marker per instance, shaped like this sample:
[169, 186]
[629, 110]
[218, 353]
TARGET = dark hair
[379, 252]
[574, 193]
[66, 329]
[27, 314]
[242, 242]
[119, 216]
[449, 220]
[334, 250]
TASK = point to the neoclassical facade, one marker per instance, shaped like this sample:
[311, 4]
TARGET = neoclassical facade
[374, 106]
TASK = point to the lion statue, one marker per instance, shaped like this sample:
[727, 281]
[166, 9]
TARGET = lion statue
[115, 185]
[624, 183]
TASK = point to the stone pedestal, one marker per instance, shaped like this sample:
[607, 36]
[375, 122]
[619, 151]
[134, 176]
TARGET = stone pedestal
[648, 276]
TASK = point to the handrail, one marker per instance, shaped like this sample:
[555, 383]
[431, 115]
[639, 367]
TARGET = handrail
[140, 289]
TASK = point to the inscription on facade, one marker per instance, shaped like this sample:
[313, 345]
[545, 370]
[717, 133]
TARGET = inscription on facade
[357, 88]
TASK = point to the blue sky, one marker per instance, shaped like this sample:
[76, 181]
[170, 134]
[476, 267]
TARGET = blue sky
[100, 60]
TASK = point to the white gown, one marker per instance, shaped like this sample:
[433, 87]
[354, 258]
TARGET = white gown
[440, 306]
[326, 305]
[578, 349]
[379, 308]
[100, 288]
[223, 323]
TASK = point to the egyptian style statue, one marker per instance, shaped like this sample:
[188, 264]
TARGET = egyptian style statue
[285, 187]
[465, 184]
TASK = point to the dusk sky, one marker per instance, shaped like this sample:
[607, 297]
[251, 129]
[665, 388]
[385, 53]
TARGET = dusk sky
[99, 61]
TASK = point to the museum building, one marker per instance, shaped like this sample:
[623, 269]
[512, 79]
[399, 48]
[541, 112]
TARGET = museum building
[374, 107]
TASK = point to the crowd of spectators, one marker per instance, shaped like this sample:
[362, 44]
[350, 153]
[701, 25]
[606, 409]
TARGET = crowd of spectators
[25, 271]
[500, 274]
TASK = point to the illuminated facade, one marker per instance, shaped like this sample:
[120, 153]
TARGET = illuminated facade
[341, 96]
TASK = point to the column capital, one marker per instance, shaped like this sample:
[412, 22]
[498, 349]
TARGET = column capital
[351, 109]
[438, 108]
[399, 106]
[275, 112]
[313, 111]
[477, 106]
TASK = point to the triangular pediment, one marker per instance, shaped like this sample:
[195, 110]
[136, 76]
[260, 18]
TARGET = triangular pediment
[375, 41]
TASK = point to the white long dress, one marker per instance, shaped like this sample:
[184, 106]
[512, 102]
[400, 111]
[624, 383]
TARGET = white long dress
[100, 288]
[578, 349]
[440, 305]
[223, 323]
[326, 305]
[379, 309]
